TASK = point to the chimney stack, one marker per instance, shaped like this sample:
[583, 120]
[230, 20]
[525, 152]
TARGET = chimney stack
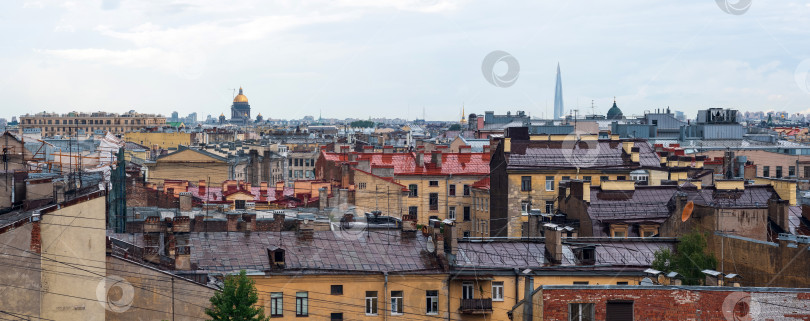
[306, 230]
[278, 221]
[185, 202]
[322, 198]
[408, 226]
[553, 242]
[233, 222]
[436, 158]
[202, 186]
[420, 159]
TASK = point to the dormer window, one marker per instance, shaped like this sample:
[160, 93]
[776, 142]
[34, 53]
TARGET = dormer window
[586, 255]
[618, 230]
[276, 256]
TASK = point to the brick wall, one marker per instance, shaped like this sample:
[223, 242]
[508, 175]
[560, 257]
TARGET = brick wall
[671, 303]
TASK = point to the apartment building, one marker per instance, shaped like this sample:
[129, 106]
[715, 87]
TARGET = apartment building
[528, 169]
[51, 124]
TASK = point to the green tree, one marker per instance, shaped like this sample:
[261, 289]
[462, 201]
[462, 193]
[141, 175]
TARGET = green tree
[362, 124]
[236, 301]
[454, 127]
[690, 258]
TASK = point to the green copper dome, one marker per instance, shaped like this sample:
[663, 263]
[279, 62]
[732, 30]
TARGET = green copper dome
[615, 112]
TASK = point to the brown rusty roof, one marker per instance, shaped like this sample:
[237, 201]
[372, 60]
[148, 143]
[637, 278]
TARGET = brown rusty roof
[591, 154]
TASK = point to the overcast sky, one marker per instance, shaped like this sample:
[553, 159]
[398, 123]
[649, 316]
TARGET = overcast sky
[361, 58]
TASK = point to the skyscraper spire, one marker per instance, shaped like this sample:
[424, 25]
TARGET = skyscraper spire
[558, 96]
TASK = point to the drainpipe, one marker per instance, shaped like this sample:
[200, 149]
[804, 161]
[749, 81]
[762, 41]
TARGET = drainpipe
[448, 298]
[385, 296]
[528, 306]
[517, 285]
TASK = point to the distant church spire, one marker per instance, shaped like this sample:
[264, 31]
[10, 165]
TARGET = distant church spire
[558, 96]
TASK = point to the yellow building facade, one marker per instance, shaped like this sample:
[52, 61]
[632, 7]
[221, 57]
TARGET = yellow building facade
[160, 140]
[191, 165]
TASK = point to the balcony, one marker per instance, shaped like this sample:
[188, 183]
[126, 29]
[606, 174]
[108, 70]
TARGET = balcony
[476, 306]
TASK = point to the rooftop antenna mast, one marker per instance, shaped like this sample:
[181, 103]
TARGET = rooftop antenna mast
[593, 108]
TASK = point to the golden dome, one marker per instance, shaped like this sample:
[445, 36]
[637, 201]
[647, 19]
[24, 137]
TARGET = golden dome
[222, 115]
[240, 98]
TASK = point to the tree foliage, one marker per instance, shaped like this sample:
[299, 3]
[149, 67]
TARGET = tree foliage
[362, 124]
[454, 127]
[236, 301]
[688, 260]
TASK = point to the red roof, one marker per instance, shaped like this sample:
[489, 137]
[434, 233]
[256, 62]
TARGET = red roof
[405, 163]
[482, 184]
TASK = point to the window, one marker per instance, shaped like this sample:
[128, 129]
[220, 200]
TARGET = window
[452, 191]
[580, 282]
[239, 204]
[581, 312]
[337, 289]
[433, 183]
[412, 211]
[620, 178]
[549, 207]
[413, 190]
[549, 183]
[451, 213]
[766, 171]
[778, 171]
[467, 291]
[497, 291]
[301, 304]
[619, 310]
[525, 206]
[361, 186]
[396, 303]
[432, 304]
[621, 283]
[466, 213]
[586, 178]
[526, 183]
[466, 234]
[566, 178]
[792, 171]
[433, 201]
[619, 234]
[276, 304]
[371, 302]
[336, 317]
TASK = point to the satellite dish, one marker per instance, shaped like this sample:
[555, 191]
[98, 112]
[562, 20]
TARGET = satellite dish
[687, 211]
[647, 281]
[430, 246]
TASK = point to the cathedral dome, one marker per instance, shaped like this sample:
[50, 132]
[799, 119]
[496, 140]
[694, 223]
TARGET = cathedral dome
[615, 112]
[240, 98]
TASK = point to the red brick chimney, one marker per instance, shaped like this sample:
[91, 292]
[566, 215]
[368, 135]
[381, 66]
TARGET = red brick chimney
[202, 186]
[279, 190]
[233, 222]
